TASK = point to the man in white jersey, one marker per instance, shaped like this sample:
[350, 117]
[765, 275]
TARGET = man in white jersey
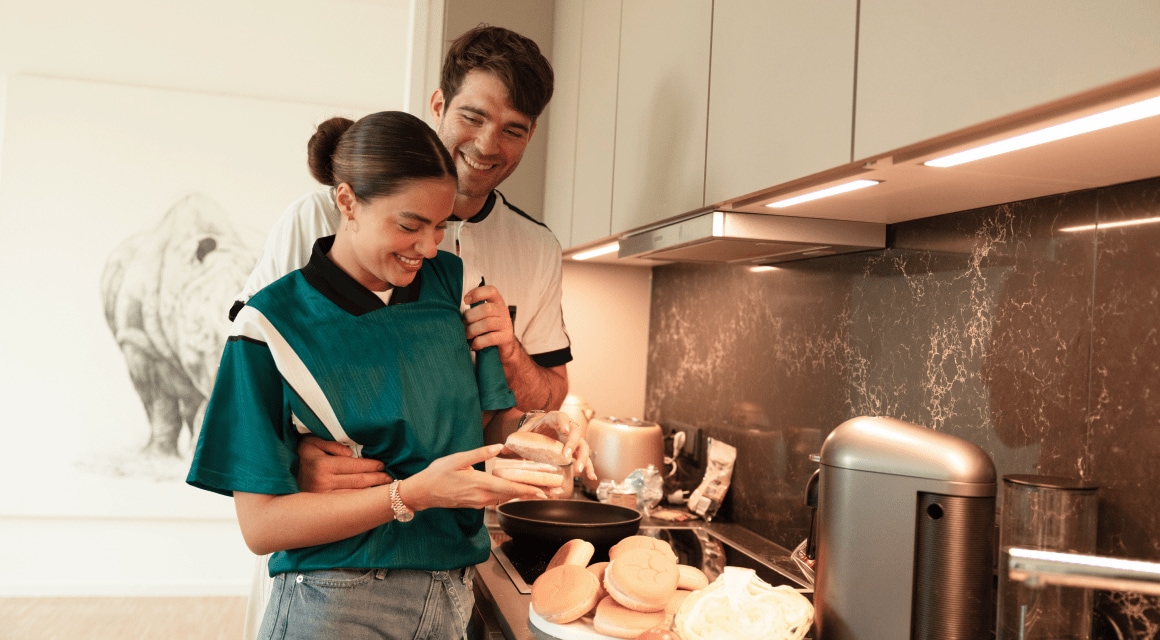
[493, 86]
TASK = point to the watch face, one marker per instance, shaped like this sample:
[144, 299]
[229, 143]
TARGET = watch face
[404, 516]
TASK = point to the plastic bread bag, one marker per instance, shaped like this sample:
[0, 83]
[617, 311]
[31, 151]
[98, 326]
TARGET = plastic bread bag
[738, 604]
[706, 499]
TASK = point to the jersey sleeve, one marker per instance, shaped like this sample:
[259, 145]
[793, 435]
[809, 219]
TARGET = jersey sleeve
[291, 239]
[545, 338]
[246, 442]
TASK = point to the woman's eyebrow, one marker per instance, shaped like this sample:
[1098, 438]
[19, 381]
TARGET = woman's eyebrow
[411, 215]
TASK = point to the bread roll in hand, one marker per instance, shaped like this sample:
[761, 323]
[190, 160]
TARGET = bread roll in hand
[539, 474]
[537, 447]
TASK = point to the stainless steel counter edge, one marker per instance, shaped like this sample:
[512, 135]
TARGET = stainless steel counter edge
[495, 593]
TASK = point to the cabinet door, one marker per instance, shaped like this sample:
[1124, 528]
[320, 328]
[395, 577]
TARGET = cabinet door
[596, 121]
[781, 92]
[560, 159]
[662, 101]
[929, 67]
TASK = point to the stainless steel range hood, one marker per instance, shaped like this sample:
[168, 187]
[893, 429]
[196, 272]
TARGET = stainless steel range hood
[755, 238]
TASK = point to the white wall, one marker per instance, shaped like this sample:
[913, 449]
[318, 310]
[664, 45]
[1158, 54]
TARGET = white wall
[606, 309]
[351, 54]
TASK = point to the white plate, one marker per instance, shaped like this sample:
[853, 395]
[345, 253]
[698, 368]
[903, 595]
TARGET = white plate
[581, 629]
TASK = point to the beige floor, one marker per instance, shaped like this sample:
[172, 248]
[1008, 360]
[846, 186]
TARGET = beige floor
[122, 618]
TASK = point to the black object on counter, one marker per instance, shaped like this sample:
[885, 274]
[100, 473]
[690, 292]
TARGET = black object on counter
[812, 503]
[554, 522]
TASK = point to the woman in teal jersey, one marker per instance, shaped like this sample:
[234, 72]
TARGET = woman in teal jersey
[365, 346]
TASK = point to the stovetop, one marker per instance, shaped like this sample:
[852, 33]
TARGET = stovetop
[698, 547]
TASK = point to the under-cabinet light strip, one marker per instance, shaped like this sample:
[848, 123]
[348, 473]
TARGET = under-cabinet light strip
[1120, 115]
[1111, 225]
[598, 251]
[845, 187]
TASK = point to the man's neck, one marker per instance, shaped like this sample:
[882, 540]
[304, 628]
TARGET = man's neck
[466, 206]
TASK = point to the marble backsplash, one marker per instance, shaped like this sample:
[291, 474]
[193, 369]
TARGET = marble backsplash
[1017, 327]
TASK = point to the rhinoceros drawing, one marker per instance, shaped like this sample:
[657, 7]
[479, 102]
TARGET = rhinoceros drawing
[167, 293]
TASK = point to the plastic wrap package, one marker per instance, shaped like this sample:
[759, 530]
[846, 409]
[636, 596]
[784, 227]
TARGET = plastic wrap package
[707, 497]
[740, 606]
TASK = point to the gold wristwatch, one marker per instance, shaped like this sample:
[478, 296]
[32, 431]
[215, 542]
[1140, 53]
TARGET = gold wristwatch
[402, 513]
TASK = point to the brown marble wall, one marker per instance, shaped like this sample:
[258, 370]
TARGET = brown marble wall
[1002, 326]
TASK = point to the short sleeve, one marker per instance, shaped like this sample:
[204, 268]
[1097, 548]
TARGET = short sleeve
[291, 239]
[246, 442]
[545, 337]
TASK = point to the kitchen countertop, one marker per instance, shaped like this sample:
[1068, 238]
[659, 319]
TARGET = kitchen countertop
[497, 596]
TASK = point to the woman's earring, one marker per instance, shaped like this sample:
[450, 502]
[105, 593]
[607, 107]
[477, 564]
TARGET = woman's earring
[352, 225]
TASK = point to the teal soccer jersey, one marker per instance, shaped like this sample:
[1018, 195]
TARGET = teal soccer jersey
[315, 352]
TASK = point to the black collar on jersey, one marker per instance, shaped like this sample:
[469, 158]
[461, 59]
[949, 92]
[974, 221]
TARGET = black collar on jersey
[483, 211]
[345, 291]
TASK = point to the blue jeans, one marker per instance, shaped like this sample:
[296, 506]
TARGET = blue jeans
[366, 604]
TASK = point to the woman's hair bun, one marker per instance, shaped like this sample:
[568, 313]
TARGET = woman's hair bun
[320, 149]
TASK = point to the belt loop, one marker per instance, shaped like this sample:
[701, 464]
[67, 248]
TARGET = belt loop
[380, 574]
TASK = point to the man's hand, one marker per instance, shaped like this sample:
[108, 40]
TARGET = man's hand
[489, 324]
[556, 424]
[331, 466]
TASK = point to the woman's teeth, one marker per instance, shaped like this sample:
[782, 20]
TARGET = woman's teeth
[409, 262]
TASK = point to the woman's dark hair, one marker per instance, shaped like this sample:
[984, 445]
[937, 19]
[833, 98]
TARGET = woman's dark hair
[512, 58]
[377, 155]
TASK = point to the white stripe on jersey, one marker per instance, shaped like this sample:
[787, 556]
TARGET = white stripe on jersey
[250, 323]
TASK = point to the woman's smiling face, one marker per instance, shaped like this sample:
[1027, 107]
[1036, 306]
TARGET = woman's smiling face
[382, 243]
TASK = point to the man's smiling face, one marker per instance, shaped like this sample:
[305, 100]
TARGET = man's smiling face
[485, 134]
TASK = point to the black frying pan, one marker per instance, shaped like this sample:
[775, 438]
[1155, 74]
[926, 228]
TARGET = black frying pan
[557, 521]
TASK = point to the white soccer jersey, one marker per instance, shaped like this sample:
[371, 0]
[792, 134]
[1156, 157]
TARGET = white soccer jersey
[520, 257]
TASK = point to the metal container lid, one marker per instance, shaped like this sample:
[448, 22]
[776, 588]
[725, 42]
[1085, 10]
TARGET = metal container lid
[887, 445]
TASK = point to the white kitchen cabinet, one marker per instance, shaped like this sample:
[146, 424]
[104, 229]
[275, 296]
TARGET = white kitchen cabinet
[929, 68]
[596, 121]
[781, 93]
[585, 57]
[661, 108]
[560, 158]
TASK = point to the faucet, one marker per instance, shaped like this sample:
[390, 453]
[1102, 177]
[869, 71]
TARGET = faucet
[1037, 568]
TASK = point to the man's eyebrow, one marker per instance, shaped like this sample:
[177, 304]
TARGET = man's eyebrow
[483, 114]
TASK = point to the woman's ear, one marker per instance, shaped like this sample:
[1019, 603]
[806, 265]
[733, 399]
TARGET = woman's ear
[344, 197]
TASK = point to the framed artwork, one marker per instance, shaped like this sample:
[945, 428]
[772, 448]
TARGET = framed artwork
[133, 217]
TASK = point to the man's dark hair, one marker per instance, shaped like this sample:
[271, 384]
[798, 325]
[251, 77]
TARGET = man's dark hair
[512, 58]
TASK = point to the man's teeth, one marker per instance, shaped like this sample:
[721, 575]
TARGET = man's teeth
[477, 166]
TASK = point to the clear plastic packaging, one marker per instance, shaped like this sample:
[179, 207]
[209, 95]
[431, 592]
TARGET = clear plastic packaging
[706, 499]
[648, 485]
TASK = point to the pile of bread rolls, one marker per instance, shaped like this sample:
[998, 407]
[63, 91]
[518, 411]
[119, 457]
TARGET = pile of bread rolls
[634, 595]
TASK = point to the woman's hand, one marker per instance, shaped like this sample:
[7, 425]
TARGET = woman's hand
[556, 424]
[451, 482]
